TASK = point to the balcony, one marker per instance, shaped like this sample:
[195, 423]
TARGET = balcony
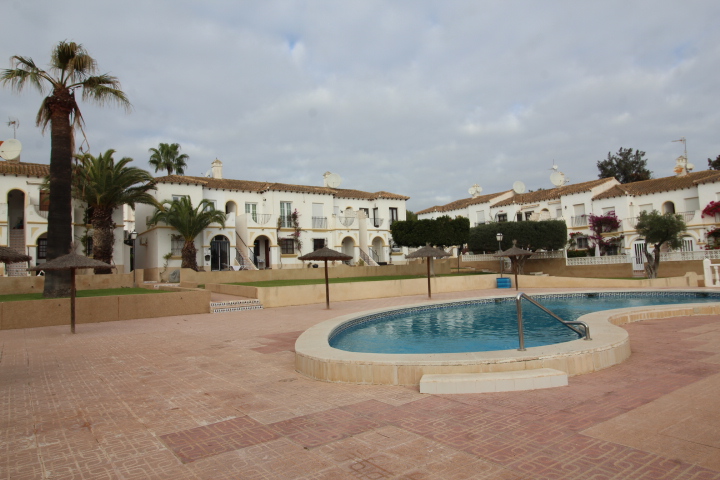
[260, 219]
[319, 223]
[345, 220]
[377, 222]
[579, 221]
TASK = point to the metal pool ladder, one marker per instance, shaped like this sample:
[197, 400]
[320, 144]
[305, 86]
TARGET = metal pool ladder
[570, 325]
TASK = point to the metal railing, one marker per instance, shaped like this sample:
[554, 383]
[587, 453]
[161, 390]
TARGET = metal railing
[579, 221]
[569, 324]
[261, 219]
[377, 222]
[345, 220]
[319, 222]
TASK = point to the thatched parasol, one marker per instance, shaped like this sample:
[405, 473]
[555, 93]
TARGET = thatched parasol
[10, 255]
[428, 252]
[326, 254]
[514, 253]
[72, 261]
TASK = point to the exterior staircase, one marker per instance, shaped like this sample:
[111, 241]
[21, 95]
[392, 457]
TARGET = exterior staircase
[235, 306]
[369, 261]
[241, 257]
[17, 243]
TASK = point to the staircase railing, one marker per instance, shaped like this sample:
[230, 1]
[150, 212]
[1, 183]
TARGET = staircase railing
[242, 259]
[569, 324]
[367, 259]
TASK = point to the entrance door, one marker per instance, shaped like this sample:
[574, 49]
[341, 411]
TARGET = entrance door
[219, 253]
[639, 256]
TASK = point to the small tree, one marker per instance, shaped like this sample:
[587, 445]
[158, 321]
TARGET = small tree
[714, 164]
[600, 224]
[168, 157]
[658, 230]
[625, 166]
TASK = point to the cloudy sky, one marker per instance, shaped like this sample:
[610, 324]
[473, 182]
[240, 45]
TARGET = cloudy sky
[422, 98]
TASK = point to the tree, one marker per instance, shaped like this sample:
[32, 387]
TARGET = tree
[442, 232]
[104, 186]
[189, 222]
[71, 69]
[168, 157]
[541, 235]
[714, 164]
[658, 230]
[625, 166]
[409, 215]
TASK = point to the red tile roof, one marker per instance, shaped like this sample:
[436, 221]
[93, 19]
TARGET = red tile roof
[463, 203]
[657, 185]
[553, 193]
[25, 169]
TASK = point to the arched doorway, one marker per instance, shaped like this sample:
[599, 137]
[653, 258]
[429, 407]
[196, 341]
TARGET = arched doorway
[688, 244]
[348, 248]
[668, 207]
[219, 253]
[378, 249]
[41, 249]
[261, 252]
[16, 229]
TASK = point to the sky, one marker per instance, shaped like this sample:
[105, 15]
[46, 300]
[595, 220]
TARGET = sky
[421, 98]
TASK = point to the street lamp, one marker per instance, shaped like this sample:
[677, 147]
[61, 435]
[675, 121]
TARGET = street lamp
[499, 237]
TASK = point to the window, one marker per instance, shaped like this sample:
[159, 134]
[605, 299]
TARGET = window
[502, 217]
[692, 204]
[176, 245]
[558, 213]
[251, 209]
[367, 212]
[582, 242]
[318, 243]
[178, 197]
[318, 216]
[646, 208]
[528, 215]
[285, 212]
[393, 214]
[210, 205]
[287, 246]
[42, 248]
[608, 210]
[88, 247]
[480, 217]
[44, 202]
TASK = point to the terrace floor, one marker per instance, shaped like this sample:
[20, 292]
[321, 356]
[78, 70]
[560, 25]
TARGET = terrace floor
[215, 397]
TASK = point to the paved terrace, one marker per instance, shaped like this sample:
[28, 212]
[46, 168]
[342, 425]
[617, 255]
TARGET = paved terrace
[216, 397]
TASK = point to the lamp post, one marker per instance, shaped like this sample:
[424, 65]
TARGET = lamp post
[499, 237]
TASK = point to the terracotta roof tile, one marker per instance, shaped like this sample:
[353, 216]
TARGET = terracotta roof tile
[251, 186]
[657, 185]
[553, 193]
[462, 203]
[26, 169]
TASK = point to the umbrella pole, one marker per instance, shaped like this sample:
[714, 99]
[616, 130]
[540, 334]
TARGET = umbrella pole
[429, 291]
[327, 288]
[516, 272]
[72, 301]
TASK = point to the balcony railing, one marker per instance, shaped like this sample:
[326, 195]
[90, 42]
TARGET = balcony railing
[319, 222]
[285, 221]
[345, 220]
[40, 213]
[261, 219]
[377, 222]
[579, 221]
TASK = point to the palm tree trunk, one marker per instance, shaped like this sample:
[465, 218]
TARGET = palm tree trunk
[189, 255]
[103, 237]
[59, 234]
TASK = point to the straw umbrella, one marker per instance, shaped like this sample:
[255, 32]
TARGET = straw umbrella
[326, 254]
[72, 261]
[514, 253]
[10, 255]
[428, 252]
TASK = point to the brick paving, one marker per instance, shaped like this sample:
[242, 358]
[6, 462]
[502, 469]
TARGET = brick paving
[216, 397]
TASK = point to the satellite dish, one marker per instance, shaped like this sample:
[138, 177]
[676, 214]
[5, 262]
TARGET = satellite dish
[475, 190]
[332, 180]
[689, 167]
[10, 149]
[558, 179]
[208, 174]
[519, 187]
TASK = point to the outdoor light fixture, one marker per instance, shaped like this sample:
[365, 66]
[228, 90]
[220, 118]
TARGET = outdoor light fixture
[499, 237]
[131, 237]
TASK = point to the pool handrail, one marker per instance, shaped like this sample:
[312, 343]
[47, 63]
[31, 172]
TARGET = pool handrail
[569, 324]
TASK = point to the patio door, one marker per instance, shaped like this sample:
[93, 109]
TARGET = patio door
[219, 253]
[639, 256]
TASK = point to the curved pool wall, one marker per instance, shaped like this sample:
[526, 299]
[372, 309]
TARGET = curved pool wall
[610, 345]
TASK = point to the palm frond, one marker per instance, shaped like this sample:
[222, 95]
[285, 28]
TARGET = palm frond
[25, 72]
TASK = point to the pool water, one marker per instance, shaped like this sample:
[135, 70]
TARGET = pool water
[489, 324]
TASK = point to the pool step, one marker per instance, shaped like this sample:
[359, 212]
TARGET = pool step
[493, 382]
[235, 306]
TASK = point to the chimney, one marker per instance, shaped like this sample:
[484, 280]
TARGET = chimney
[217, 169]
[682, 167]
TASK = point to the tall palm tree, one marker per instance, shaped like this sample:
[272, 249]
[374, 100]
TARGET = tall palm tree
[71, 69]
[167, 157]
[189, 222]
[105, 185]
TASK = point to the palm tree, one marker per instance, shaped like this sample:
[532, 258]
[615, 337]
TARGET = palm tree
[71, 69]
[167, 157]
[105, 185]
[189, 222]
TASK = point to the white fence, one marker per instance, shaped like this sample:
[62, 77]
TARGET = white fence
[606, 260]
[490, 257]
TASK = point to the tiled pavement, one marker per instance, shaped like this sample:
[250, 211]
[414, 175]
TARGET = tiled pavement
[216, 397]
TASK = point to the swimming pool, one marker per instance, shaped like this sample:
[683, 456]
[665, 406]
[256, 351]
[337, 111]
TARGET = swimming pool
[488, 324]
[610, 345]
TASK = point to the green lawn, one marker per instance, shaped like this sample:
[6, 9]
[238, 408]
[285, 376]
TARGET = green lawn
[82, 293]
[320, 281]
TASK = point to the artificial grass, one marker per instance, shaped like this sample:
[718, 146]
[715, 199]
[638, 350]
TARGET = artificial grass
[321, 281]
[20, 297]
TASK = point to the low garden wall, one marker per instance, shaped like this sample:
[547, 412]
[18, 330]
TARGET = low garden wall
[340, 270]
[35, 284]
[43, 313]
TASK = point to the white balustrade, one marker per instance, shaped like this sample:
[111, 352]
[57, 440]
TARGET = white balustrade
[606, 260]
[711, 272]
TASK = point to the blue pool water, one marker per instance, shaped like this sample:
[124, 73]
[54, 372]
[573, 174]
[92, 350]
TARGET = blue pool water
[488, 324]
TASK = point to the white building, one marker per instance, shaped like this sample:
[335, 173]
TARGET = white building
[259, 230]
